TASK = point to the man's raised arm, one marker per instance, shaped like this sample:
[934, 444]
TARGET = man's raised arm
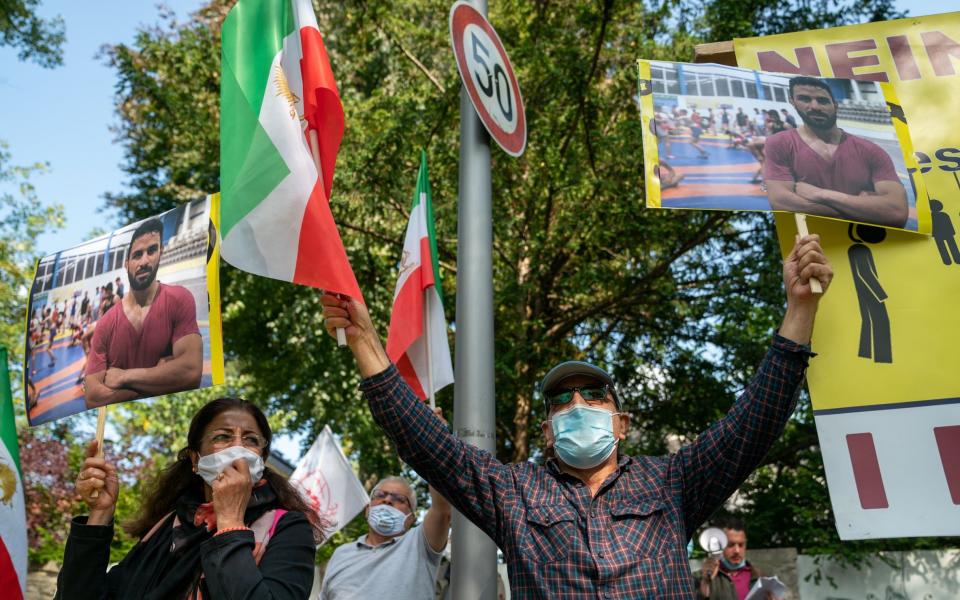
[722, 457]
[436, 523]
[473, 480]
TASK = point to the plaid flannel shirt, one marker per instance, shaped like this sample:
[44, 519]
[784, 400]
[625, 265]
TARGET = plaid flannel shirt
[629, 541]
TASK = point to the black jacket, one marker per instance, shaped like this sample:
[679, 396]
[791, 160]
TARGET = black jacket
[171, 562]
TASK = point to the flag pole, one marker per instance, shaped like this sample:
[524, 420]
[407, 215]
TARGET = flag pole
[101, 422]
[431, 394]
[315, 151]
[801, 221]
[473, 560]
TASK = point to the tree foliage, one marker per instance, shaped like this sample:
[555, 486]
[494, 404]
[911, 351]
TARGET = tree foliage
[39, 40]
[679, 305]
[23, 217]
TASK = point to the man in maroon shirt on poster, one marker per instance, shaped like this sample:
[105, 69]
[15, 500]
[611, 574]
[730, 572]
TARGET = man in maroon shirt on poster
[149, 343]
[819, 169]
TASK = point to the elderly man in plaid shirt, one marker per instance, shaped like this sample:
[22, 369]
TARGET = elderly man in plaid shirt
[593, 522]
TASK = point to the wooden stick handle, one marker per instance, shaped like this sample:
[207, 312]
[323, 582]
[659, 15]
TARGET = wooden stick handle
[101, 422]
[801, 220]
[315, 151]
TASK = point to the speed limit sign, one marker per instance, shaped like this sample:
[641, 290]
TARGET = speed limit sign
[488, 77]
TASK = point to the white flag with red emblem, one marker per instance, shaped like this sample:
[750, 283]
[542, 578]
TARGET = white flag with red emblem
[328, 483]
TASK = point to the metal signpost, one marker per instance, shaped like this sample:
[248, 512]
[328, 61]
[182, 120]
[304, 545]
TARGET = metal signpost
[490, 95]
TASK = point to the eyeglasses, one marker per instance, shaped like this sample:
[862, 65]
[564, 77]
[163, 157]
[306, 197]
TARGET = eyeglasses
[247, 440]
[384, 494]
[590, 394]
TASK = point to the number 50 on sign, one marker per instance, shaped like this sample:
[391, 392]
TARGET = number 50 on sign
[488, 77]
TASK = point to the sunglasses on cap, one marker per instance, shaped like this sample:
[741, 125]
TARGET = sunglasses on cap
[562, 396]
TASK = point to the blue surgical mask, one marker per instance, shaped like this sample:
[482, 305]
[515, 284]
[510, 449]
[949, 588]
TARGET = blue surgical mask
[583, 436]
[731, 566]
[386, 520]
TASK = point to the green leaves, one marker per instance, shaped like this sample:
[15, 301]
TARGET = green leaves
[39, 40]
[23, 217]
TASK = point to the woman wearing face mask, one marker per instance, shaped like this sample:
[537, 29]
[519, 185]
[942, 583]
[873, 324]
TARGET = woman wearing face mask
[214, 524]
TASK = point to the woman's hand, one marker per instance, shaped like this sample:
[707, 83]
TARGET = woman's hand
[231, 493]
[98, 475]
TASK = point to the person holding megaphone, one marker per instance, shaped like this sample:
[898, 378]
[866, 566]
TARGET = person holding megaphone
[726, 574]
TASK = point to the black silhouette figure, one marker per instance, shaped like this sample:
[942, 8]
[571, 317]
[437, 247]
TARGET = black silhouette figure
[875, 324]
[944, 234]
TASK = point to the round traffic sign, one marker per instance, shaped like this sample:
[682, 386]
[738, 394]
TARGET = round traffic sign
[488, 77]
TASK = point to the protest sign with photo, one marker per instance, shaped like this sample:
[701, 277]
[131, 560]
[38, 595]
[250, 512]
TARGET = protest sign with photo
[725, 138]
[884, 390]
[131, 314]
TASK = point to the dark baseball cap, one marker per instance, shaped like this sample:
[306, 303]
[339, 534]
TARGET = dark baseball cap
[570, 368]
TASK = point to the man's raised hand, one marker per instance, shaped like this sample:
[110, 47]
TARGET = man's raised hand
[806, 260]
[352, 316]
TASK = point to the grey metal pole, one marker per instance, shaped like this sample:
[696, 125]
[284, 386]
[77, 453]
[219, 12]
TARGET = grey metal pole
[473, 558]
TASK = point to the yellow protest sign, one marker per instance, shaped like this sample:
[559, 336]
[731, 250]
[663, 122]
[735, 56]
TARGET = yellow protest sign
[884, 386]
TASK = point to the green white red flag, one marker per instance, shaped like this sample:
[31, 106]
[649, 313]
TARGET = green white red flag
[277, 92]
[13, 517]
[417, 340]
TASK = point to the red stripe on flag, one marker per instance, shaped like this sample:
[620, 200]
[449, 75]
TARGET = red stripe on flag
[410, 375]
[321, 101]
[948, 442]
[406, 318]
[426, 264]
[9, 581]
[866, 471]
[321, 259]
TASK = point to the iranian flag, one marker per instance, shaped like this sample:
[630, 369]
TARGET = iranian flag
[417, 341]
[281, 123]
[13, 520]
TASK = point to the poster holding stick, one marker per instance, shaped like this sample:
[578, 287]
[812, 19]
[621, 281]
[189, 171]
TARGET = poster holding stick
[101, 423]
[717, 137]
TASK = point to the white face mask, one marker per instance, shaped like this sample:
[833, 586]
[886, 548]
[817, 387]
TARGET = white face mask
[211, 465]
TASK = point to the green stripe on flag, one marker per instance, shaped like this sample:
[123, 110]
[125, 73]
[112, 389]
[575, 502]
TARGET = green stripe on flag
[250, 166]
[8, 426]
[252, 34]
[423, 187]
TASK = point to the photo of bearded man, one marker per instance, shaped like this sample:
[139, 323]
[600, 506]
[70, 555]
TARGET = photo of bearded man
[148, 343]
[821, 169]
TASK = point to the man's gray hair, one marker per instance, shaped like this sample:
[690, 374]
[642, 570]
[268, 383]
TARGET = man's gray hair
[411, 496]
